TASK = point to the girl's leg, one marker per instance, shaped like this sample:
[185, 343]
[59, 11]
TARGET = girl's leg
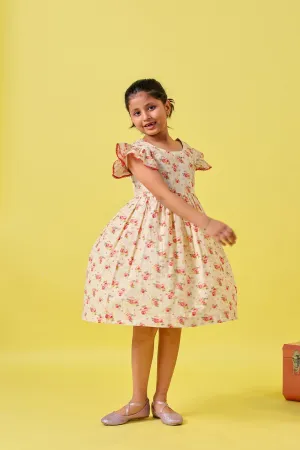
[141, 354]
[169, 341]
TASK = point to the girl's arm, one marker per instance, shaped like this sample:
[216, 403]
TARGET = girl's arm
[154, 182]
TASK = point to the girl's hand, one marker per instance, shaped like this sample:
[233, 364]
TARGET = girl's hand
[221, 232]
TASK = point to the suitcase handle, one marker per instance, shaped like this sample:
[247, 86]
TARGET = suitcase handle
[296, 362]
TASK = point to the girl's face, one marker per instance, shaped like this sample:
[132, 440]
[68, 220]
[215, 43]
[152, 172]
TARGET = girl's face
[148, 114]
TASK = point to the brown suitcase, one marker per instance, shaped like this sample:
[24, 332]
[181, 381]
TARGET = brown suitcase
[291, 371]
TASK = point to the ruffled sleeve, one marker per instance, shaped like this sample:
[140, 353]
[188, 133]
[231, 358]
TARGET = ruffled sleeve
[120, 166]
[199, 161]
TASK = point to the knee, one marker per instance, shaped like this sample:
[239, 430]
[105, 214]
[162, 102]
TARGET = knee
[143, 334]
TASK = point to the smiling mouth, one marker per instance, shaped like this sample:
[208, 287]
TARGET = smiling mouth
[150, 125]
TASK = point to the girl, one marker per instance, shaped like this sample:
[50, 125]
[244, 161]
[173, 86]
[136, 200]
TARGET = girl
[159, 264]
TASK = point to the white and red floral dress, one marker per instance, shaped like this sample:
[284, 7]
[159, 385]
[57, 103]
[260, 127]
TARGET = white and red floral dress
[149, 267]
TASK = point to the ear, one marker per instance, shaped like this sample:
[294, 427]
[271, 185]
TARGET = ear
[168, 107]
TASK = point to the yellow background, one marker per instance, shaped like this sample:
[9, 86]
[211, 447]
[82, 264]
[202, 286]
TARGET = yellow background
[233, 69]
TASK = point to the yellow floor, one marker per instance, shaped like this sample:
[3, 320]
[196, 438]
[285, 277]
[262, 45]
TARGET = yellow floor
[229, 400]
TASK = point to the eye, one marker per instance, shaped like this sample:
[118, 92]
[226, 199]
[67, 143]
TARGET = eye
[153, 107]
[137, 112]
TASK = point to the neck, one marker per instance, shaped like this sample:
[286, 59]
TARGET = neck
[160, 138]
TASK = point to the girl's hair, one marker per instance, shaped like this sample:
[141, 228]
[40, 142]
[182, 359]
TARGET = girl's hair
[151, 87]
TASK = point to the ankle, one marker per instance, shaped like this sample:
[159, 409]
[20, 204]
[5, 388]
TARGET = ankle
[160, 397]
[139, 399]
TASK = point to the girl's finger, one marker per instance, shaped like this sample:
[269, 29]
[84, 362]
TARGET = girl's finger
[229, 231]
[222, 240]
[227, 237]
[233, 234]
[232, 238]
[231, 241]
[217, 238]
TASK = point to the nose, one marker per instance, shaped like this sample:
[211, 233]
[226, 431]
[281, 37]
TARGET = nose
[146, 115]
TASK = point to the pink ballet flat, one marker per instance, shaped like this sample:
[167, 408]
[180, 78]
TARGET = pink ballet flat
[167, 418]
[115, 418]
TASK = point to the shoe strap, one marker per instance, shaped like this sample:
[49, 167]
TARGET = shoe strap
[159, 402]
[133, 404]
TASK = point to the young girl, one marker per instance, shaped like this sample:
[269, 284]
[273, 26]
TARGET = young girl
[159, 264]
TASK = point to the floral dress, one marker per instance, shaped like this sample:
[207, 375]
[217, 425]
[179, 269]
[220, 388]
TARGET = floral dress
[150, 267]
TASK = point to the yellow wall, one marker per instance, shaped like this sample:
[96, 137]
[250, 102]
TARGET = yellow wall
[232, 68]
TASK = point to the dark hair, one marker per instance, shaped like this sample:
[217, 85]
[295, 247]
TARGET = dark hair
[151, 87]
